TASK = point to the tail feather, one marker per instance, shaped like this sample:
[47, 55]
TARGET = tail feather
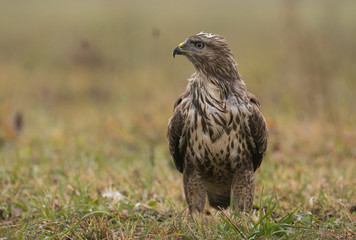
[219, 199]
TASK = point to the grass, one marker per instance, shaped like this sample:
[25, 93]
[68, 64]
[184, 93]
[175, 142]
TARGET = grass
[85, 96]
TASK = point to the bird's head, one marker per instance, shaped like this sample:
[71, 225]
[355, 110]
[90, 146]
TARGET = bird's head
[210, 54]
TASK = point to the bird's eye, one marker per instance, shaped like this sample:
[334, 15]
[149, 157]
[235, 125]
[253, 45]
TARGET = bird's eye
[199, 45]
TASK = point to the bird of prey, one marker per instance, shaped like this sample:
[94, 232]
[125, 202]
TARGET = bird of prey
[217, 134]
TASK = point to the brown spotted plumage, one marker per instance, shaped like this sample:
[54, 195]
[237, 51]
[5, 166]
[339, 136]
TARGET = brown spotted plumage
[217, 135]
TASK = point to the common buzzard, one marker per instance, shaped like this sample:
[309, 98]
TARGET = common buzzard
[217, 135]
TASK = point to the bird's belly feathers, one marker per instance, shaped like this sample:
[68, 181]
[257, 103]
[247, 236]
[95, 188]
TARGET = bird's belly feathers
[217, 145]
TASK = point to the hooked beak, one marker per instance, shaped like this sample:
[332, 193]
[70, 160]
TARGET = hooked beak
[178, 50]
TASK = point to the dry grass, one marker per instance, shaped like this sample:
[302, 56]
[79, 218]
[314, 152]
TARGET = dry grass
[86, 91]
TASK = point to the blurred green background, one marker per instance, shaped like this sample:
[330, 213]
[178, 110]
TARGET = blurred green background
[87, 88]
[103, 70]
[298, 57]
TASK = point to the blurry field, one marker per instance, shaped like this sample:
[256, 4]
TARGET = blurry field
[86, 91]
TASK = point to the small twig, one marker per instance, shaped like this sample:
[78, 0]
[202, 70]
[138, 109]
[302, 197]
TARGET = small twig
[233, 224]
[179, 214]
[10, 225]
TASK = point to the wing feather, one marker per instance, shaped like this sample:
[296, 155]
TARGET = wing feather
[174, 134]
[258, 131]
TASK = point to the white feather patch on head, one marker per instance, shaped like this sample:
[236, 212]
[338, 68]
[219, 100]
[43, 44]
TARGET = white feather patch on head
[208, 35]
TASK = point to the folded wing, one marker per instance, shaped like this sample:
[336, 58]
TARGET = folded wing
[176, 142]
[258, 132]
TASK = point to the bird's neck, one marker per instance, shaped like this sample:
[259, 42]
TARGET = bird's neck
[222, 82]
[208, 84]
[220, 75]
[223, 69]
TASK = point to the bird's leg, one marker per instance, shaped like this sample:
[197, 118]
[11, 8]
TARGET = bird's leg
[243, 189]
[194, 189]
